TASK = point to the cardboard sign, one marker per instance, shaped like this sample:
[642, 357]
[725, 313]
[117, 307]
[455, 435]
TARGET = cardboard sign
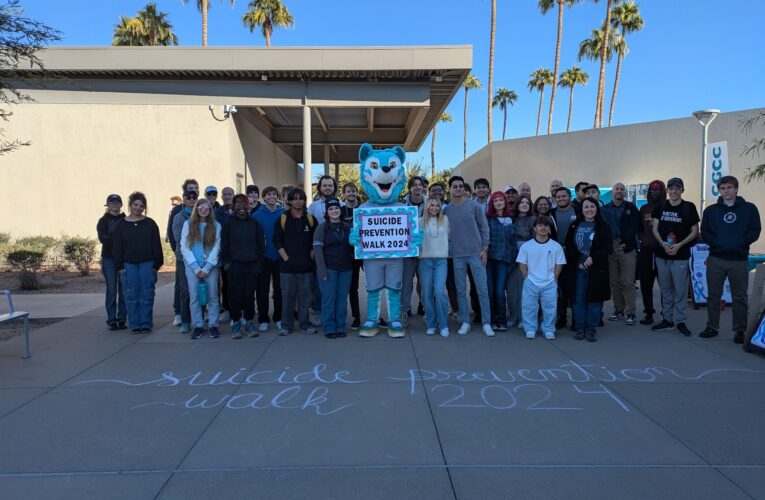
[698, 265]
[386, 232]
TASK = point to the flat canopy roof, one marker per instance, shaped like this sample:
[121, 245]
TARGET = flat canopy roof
[381, 95]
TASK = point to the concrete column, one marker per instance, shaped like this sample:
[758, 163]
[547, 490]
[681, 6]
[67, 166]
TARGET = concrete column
[326, 159]
[307, 149]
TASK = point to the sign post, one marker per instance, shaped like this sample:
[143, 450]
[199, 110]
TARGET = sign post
[386, 232]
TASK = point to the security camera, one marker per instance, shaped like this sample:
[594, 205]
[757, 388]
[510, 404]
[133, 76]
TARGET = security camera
[229, 109]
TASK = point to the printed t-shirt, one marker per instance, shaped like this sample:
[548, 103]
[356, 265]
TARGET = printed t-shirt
[677, 219]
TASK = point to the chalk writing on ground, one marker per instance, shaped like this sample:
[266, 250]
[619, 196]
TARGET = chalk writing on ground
[569, 386]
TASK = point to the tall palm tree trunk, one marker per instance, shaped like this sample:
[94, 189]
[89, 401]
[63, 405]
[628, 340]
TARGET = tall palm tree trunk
[268, 38]
[570, 108]
[491, 65]
[616, 86]
[464, 121]
[433, 152]
[204, 23]
[602, 79]
[557, 65]
[539, 113]
[504, 124]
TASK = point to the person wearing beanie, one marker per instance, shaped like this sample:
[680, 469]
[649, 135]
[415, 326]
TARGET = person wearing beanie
[729, 227]
[646, 262]
[334, 266]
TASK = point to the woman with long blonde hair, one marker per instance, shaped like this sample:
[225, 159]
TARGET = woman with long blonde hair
[200, 246]
[433, 267]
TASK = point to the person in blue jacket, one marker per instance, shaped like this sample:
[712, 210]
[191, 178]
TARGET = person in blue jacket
[729, 227]
[267, 215]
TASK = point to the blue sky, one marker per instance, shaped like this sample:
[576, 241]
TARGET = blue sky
[691, 54]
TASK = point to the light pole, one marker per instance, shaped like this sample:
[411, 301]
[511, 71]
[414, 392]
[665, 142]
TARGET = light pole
[705, 117]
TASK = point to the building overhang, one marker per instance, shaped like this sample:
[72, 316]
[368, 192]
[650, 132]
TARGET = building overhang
[382, 95]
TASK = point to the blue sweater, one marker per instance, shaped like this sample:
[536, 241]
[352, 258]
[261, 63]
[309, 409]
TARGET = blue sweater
[268, 220]
[730, 231]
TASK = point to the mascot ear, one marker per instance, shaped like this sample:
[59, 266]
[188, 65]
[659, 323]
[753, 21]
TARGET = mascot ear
[365, 151]
[400, 153]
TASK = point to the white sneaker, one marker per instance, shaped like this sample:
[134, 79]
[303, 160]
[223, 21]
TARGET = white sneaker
[550, 336]
[531, 335]
[263, 327]
[464, 329]
[445, 332]
[487, 330]
[177, 321]
[430, 331]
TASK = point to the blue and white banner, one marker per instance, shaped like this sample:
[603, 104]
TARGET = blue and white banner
[698, 265]
[717, 167]
[386, 232]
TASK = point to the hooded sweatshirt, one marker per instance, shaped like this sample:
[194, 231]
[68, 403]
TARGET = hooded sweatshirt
[267, 220]
[730, 231]
[645, 234]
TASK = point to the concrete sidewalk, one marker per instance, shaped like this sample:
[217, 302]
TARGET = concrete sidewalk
[99, 414]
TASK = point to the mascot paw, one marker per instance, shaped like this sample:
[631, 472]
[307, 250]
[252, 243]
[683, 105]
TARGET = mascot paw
[369, 329]
[396, 330]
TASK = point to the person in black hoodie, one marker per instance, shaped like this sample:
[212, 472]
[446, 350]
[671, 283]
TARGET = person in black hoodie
[729, 227]
[293, 238]
[138, 257]
[241, 252]
[116, 314]
[585, 275]
[623, 218]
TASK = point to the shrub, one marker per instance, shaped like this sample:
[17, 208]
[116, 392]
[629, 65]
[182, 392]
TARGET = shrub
[5, 238]
[38, 243]
[27, 262]
[80, 252]
[168, 254]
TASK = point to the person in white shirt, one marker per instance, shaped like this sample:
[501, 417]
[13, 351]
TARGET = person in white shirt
[541, 260]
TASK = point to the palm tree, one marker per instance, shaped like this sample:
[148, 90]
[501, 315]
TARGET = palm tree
[537, 81]
[593, 48]
[445, 117]
[268, 14]
[569, 79]
[149, 27]
[203, 6]
[471, 82]
[627, 17]
[491, 65]
[502, 98]
[545, 6]
[603, 59]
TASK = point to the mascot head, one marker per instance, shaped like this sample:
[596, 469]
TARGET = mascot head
[382, 173]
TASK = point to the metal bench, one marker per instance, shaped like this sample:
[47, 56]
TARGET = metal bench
[14, 314]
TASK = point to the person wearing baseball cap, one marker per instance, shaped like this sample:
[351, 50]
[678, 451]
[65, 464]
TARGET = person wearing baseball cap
[116, 312]
[675, 228]
[211, 193]
[646, 266]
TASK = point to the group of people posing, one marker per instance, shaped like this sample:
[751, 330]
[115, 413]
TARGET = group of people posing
[526, 259]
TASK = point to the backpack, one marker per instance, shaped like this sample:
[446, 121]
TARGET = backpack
[311, 220]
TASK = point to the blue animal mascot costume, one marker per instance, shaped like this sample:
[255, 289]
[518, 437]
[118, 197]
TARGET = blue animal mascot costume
[383, 177]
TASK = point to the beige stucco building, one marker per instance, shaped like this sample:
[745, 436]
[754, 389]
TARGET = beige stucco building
[631, 154]
[146, 118]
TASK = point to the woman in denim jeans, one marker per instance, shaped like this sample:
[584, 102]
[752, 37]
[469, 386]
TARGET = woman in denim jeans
[138, 257]
[334, 268]
[200, 246]
[433, 266]
[501, 258]
[585, 276]
[116, 312]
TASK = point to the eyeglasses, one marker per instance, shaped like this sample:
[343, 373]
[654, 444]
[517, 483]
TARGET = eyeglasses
[211, 193]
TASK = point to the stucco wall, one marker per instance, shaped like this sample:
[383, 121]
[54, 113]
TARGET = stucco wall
[631, 154]
[82, 152]
[268, 164]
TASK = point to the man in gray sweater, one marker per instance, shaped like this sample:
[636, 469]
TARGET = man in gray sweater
[469, 248]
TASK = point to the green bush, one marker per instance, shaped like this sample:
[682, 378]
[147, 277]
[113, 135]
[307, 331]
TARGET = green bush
[27, 262]
[5, 238]
[80, 252]
[39, 243]
[168, 254]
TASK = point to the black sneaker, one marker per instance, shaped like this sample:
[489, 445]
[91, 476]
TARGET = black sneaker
[739, 337]
[122, 325]
[664, 325]
[708, 333]
[341, 335]
[214, 333]
[630, 320]
[591, 337]
[579, 336]
[197, 333]
[647, 320]
[330, 335]
[616, 316]
[135, 330]
[356, 323]
[145, 330]
[114, 327]
[683, 329]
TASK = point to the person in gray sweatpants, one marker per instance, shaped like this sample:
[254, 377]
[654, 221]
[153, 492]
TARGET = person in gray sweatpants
[676, 228]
